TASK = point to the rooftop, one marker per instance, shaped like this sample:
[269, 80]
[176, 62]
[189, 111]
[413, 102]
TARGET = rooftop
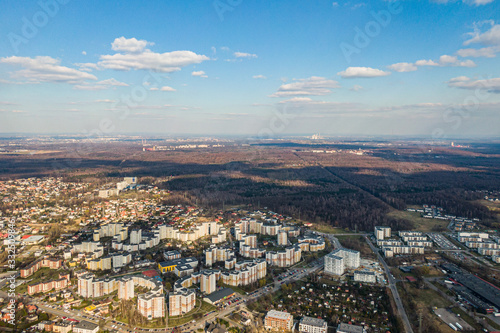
[347, 328]
[313, 321]
[279, 315]
[220, 294]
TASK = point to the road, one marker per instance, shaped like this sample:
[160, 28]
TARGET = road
[60, 312]
[394, 289]
[275, 286]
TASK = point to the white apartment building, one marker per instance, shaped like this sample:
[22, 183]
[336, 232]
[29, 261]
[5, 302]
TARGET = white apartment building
[365, 276]
[312, 325]
[181, 301]
[208, 283]
[151, 305]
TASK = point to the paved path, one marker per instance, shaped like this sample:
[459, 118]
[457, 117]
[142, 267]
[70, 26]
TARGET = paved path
[394, 289]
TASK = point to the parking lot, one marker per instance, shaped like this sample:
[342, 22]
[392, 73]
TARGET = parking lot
[442, 242]
[451, 318]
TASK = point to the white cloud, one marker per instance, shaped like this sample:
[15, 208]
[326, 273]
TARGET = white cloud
[45, 69]
[154, 89]
[259, 77]
[129, 45]
[199, 73]
[167, 88]
[403, 67]
[446, 60]
[362, 72]
[298, 100]
[464, 82]
[87, 66]
[112, 82]
[486, 52]
[158, 62]
[244, 55]
[356, 87]
[89, 87]
[478, 2]
[426, 63]
[84, 52]
[105, 101]
[311, 86]
[134, 55]
[335, 4]
[101, 85]
[490, 37]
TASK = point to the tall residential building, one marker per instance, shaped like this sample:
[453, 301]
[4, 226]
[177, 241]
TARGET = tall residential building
[278, 321]
[151, 305]
[282, 238]
[135, 236]
[382, 232]
[85, 286]
[208, 282]
[125, 288]
[181, 301]
[334, 264]
[338, 260]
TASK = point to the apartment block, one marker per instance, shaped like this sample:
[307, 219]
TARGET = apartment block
[278, 321]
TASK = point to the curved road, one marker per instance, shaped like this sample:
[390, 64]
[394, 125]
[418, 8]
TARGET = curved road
[394, 290]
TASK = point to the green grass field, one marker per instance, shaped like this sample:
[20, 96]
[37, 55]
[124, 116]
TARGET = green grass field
[328, 229]
[419, 223]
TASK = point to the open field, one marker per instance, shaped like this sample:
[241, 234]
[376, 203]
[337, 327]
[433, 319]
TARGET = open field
[419, 223]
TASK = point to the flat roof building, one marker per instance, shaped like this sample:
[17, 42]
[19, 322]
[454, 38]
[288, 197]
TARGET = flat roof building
[312, 325]
[278, 321]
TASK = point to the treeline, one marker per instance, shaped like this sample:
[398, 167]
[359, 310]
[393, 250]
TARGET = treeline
[324, 200]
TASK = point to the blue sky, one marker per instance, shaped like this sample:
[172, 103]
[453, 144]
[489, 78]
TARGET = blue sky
[257, 68]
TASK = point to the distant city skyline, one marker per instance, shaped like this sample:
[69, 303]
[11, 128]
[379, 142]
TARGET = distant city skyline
[251, 68]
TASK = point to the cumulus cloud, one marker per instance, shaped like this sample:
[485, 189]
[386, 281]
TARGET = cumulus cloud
[362, 72]
[199, 73]
[87, 66]
[112, 82]
[303, 87]
[45, 69]
[132, 54]
[426, 63]
[478, 2]
[101, 85]
[464, 82]
[298, 100]
[167, 88]
[489, 37]
[129, 45]
[486, 52]
[446, 60]
[403, 67]
[244, 55]
[158, 62]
